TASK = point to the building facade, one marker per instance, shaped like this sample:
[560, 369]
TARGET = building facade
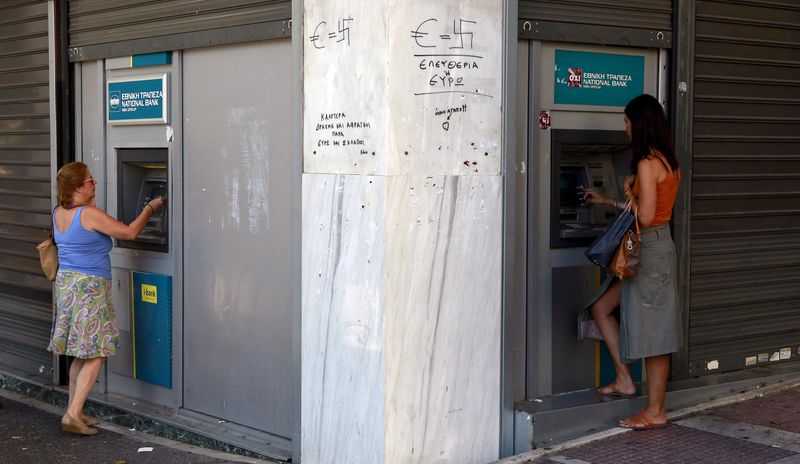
[373, 251]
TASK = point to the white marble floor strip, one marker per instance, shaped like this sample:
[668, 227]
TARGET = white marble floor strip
[744, 431]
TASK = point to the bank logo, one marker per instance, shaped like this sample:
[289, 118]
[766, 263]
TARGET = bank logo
[113, 100]
[575, 77]
[149, 293]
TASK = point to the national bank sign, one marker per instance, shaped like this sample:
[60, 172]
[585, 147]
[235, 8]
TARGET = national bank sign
[137, 100]
[599, 79]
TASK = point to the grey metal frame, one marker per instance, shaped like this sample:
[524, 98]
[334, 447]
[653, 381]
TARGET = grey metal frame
[682, 111]
[513, 360]
[249, 33]
[54, 141]
[297, 223]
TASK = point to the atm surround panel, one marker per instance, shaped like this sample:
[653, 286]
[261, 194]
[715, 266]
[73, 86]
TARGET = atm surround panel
[142, 174]
[584, 158]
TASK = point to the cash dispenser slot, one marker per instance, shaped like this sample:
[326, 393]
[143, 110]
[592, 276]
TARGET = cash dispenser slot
[142, 175]
[582, 159]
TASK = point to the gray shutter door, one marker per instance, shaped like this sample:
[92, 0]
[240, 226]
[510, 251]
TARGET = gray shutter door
[25, 295]
[634, 23]
[107, 28]
[744, 305]
[639, 14]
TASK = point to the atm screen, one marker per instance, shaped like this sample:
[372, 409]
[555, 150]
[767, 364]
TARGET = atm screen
[150, 190]
[570, 180]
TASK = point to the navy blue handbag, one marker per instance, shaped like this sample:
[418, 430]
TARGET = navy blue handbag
[605, 245]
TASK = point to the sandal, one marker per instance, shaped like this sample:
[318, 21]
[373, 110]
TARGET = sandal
[614, 393]
[643, 421]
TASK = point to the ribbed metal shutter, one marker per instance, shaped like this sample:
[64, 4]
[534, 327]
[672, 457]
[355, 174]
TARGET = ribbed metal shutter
[105, 28]
[745, 211]
[643, 14]
[25, 295]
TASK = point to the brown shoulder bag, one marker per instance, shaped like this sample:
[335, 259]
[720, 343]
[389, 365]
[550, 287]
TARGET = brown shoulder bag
[48, 254]
[626, 260]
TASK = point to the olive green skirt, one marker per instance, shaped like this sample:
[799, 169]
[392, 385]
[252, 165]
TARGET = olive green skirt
[650, 316]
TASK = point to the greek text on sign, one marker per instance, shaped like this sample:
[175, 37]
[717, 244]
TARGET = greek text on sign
[600, 79]
[138, 100]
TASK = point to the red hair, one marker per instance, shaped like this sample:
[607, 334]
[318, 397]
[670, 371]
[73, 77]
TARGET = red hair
[69, 178]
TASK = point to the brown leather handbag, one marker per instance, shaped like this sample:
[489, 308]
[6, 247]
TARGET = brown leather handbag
[48, 258]
[48, 254]
[625, 262]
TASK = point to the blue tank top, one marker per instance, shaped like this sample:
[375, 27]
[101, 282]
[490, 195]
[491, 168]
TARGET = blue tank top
[83, 250]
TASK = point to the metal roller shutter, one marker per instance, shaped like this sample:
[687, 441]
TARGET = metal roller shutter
[642, 14]
[744, 305]
[25, 295]
[106, 28]
[637, 23]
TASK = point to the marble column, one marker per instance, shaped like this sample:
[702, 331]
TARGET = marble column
[402, 227]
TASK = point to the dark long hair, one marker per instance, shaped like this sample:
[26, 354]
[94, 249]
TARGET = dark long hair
[649, 130]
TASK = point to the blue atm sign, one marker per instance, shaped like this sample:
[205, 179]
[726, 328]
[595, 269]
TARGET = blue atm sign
[599, 79]
[137, 100]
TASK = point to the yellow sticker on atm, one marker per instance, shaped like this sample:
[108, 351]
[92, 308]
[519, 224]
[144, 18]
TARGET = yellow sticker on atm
[149, 293]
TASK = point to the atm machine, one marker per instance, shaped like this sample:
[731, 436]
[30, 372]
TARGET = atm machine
[142, 159]
[575, 137]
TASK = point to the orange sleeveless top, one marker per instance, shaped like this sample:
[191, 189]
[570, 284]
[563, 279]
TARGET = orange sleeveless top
[666, 191]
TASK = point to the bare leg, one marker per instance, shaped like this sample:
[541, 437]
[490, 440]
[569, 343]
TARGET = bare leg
[74, 370]
[602, 310]
[85, 381]
[654, 414]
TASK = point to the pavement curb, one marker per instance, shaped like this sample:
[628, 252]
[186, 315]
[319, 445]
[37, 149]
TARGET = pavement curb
[758, 391]
[127, 418]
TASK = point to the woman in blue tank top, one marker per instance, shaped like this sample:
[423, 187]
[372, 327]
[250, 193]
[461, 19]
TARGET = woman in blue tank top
[84, 324]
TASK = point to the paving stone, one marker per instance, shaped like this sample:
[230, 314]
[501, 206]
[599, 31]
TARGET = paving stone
[31, 436]
[672, 445]
[779, 410]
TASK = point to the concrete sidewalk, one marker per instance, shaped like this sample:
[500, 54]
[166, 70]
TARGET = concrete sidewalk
[30, 433]
[761, 427]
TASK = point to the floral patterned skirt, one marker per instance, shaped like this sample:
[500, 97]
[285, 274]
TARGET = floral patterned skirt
[84, 324]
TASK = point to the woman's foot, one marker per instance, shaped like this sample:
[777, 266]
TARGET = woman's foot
[619, 388]
[89, 420]
[645, 421]
[72, 425]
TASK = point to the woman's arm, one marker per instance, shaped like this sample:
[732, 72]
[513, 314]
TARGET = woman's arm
[592, 196]
[98, 220]
[645, 204]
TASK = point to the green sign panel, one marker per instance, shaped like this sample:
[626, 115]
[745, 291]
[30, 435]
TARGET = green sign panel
[137, 100]
[600, 79]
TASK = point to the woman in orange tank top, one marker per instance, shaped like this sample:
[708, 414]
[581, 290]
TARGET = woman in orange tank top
[650, 319]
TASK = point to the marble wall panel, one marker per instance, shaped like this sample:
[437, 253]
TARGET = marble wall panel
[443, 308]
[345, 87]
[445, 79]
[343, 301]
